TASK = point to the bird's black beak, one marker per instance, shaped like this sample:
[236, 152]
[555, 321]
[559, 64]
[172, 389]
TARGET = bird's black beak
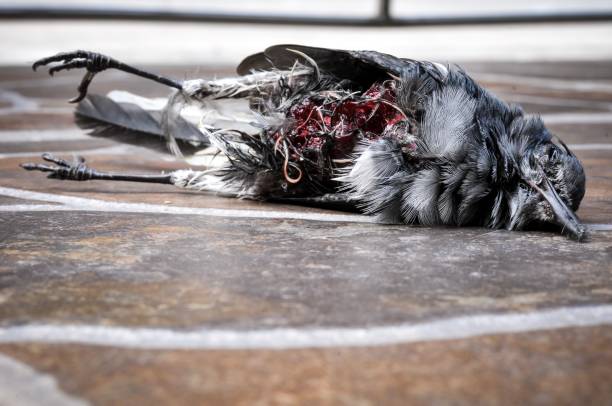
[564, 216]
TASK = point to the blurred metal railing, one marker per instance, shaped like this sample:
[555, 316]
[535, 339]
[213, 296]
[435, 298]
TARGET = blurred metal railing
[383, 19]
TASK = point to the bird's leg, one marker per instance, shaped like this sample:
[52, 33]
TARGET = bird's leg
[65, 170]
[257, 83]
[95, 63]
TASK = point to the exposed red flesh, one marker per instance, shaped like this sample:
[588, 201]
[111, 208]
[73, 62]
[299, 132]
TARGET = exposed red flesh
[320, 126]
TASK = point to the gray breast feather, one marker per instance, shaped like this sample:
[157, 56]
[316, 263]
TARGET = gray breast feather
[449, 116]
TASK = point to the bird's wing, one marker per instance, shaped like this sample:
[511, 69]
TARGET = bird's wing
[363, 67]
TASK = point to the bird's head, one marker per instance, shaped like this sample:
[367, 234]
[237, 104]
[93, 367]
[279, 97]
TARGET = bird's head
[550, 188]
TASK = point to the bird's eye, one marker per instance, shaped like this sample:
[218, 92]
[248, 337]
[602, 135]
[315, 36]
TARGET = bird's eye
[559, 144]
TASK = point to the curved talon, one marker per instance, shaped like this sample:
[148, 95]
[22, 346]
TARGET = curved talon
[77, 63]
[83, 86]
[62, 56]
[58, 161]
[29, 166]
[92, 61]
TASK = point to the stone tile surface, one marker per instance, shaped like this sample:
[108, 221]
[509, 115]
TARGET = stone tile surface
[135, 269]
[183, 272]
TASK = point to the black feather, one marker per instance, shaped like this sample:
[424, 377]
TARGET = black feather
[255, 62]
[361, 67]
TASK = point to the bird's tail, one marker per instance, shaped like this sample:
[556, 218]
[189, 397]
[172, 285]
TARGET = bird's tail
[138, 121]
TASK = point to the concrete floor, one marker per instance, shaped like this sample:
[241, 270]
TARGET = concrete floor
[108, 301]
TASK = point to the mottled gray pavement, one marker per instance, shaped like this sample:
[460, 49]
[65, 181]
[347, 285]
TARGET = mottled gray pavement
[94, 272]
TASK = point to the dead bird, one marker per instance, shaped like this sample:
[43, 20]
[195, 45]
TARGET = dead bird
[406, 141]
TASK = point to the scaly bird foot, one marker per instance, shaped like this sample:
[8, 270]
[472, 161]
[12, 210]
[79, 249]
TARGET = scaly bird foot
[62, 169]
[93, 62]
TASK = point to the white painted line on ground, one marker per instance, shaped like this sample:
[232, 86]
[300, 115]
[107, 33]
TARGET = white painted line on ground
[453, 328]
[42, 135]
[72, 203]
[19, 104]
[21, 385]
[590, 147]
[45, 81]
[42, 81]
[553, 101]
[85, 204]
[16, 100]
[40, 110]
[114, 150]
[577, 118]
[546, 83]
[8, 208]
